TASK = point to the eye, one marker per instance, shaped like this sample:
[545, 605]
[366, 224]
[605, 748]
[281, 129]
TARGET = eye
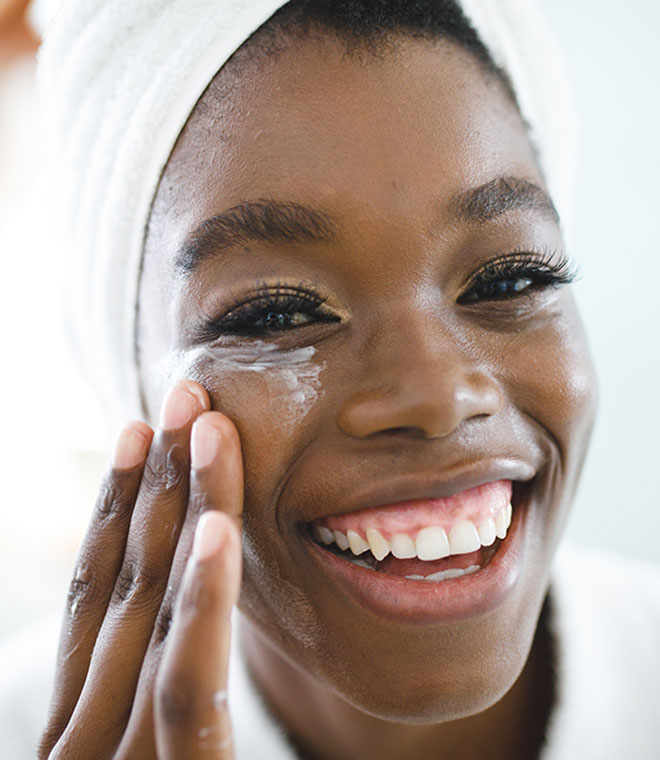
[516, 274]
[270, 310]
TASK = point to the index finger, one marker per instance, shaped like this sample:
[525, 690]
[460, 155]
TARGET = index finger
[216, 483]
[213, 434]
[191, 713]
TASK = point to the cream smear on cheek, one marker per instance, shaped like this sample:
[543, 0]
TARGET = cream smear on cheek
[290, 376]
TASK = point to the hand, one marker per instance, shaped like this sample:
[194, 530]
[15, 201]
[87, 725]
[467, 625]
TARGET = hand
[142, 662]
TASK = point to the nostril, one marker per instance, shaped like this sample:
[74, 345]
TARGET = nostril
[410, 432]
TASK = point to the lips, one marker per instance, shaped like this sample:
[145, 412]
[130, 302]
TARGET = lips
[452, 573]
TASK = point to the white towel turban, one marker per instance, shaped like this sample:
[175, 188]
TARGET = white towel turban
[119, 79]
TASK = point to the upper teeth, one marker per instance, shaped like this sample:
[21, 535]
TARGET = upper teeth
[430, 543]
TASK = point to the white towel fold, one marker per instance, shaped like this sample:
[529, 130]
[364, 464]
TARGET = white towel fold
[119, 79]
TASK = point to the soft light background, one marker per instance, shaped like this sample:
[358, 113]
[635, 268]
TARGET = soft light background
[53, 450]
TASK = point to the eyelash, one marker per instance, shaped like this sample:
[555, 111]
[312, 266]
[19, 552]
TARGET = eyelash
[272, 309]
[269, 310]
[517, 274]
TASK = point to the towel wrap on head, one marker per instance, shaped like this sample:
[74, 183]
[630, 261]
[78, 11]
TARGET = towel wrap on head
[119, 79]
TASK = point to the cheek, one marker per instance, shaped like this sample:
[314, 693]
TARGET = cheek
[270, 395]
[551, 380]
[560, 384]
[275, 402]
[276, 413]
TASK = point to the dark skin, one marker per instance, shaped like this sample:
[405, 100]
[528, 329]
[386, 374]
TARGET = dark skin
[415, 377]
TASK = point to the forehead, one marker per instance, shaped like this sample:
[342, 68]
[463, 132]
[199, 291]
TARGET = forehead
[386, 134]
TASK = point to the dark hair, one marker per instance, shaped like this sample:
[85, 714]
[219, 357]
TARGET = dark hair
[375, 25]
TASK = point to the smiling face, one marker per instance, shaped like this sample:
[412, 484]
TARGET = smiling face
[374, 305]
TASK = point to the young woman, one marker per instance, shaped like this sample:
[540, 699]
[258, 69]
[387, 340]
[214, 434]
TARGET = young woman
[345, 311]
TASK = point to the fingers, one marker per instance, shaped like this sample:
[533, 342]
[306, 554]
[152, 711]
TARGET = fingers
[128, 572]
[217, 466]
[160, 506]
[97, 565]
[216, 484]
[191, 715]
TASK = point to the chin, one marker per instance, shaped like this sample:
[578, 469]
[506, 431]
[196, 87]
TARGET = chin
[433, 701]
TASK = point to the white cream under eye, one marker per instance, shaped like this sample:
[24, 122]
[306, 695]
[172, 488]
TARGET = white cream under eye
[291, 375]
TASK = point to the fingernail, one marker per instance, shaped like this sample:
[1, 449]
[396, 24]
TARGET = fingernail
[204, 444]
[209, 535]
[130, 449]
[178, 408]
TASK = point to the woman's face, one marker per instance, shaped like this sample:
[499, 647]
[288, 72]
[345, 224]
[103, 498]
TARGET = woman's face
[355, 317]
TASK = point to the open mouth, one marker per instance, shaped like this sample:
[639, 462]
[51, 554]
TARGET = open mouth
[428, 561]
[431, 540]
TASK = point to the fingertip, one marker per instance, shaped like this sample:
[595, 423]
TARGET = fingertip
[132, 445]
[199, 392]
[213, 433]
[215, 533]
[183, 403]
[221, 423]
[143, 428]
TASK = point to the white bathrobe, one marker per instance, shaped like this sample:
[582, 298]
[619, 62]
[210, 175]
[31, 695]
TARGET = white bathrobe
[606, 622]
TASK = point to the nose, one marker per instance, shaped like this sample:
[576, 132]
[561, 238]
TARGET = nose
[424, 385]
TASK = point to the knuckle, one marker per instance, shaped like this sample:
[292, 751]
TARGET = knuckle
[82, 589]
[198, 502]
[123, 586]
[113, 501]
[167, 471]
[135, 584]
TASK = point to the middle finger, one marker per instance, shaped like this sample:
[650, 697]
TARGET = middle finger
[216, 484]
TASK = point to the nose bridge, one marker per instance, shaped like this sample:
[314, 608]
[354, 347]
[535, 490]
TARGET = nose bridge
[422, 378]
[423, 354]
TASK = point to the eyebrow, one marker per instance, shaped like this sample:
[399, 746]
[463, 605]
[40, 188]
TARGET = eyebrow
[269, 221]
[273, 221]
[501, 195]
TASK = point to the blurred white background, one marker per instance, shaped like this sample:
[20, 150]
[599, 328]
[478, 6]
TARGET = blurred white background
[53, 450]
[612, 53]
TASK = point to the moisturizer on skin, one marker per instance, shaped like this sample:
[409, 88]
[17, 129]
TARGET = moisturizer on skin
[291, 375]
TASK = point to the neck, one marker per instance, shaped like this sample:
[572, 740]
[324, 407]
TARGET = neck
[323, 726]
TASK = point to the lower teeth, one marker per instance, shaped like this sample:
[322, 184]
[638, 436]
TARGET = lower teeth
[444, 575]
[361, 563]
[368, 561]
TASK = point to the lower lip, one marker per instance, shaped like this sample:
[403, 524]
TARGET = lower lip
[427, 602]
